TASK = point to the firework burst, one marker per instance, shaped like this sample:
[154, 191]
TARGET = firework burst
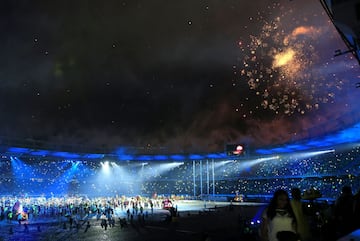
[279, 64]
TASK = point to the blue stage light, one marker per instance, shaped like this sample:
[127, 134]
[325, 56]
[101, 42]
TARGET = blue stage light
[195, 157]
[19, 150]
[39, 153]
[93, 156]
[144, 158]
[125, 157]
[281, 150]
[160, 157]
[67, 155]
[105, 167]
[177, 157]
[264, 151]
[216, 155]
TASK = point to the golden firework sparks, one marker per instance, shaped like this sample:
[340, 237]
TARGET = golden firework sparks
[278, 65]
[283, 58]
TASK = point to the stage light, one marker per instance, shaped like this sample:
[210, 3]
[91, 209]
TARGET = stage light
[105, 167]
[162, 168]
[75, 164]
[313, 153]
[221, 163]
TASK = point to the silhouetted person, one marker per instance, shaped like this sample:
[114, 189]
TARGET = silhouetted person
[112, 222]
[87, 226]
[357, 210]
[344, 207]
[205, 237]
[26, 228]
[105, 224]
[302, 227]
[128, 214]
[71, 220]
[123, 222]
[287, 236]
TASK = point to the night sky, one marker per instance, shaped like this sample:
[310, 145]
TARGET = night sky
[186, 76]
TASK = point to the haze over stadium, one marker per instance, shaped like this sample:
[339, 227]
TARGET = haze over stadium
[189, 77]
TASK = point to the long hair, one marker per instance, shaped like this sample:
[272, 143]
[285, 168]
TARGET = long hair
[271, 210]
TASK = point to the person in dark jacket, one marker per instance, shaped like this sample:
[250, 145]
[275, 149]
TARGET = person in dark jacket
[344, 212]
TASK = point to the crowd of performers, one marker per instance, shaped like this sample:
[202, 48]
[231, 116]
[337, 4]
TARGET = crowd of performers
[75, 208]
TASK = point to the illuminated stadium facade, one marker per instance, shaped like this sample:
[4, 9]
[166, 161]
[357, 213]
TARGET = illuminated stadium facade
[325, 164]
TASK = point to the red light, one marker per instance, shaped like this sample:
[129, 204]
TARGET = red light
[239, 150]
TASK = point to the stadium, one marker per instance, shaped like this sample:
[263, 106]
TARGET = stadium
[135, 128]
[239, 177]
[325, 164]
